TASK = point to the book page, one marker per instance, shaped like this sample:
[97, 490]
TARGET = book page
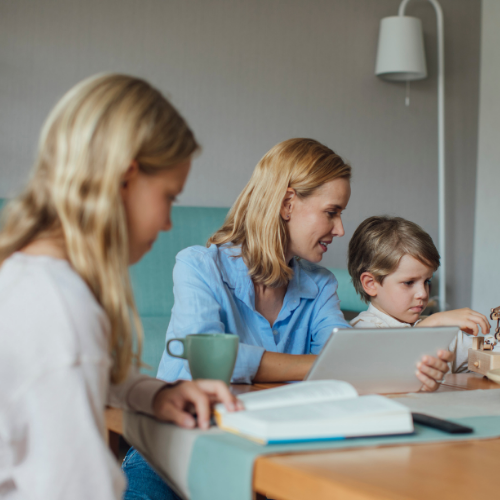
[299, 393]
[354, 416]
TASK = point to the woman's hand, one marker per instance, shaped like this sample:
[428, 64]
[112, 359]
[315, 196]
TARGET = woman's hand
[431, 370]
[466, 319]
[173, 403]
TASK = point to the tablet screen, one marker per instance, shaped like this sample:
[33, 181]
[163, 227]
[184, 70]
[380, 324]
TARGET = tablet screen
[379, 360]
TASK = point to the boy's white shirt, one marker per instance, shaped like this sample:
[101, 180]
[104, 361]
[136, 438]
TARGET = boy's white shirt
[374, 318]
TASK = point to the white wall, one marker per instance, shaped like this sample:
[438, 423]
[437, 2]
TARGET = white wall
[249, 73]
[486, 284]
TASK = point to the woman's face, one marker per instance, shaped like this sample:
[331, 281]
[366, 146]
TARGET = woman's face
[314, 221]
[148, 200]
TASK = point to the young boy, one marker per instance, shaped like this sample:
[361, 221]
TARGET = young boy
[391, 262]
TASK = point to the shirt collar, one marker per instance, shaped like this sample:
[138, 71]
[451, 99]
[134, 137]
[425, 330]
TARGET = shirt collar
[235, 274]
[301, 286]
[389, 320]
[233, 269]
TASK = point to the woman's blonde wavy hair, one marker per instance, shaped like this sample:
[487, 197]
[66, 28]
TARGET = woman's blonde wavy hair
[86, 145]
[255, 222]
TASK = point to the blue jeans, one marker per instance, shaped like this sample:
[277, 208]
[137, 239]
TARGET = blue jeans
[143, 482]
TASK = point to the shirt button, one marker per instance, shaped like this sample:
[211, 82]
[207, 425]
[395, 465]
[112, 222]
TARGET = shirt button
[275, 332]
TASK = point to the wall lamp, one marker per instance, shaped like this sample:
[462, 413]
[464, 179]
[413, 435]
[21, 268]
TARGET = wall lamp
[401, 58]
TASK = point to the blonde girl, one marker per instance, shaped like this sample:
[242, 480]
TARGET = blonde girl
[113, 155]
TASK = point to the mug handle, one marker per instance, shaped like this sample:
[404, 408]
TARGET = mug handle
[181, 356]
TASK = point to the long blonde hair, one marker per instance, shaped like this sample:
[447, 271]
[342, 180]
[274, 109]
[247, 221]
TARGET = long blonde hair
[86, 145]
[254, 221]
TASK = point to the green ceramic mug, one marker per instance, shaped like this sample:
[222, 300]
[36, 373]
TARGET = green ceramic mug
[210, 355]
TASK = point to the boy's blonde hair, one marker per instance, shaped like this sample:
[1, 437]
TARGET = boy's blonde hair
[86, 145]
[254, 221]
[379, 243]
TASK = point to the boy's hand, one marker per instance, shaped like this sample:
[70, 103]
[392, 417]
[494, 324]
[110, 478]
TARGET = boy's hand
[466, 319]
[431, 370]
[173, 403]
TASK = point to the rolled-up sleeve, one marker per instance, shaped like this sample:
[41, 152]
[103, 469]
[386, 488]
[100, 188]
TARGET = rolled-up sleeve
[247, 363]
[327, 315]
[197, 310]
[136, 392]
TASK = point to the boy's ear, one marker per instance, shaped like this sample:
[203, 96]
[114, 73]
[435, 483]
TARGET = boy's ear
[369, 284]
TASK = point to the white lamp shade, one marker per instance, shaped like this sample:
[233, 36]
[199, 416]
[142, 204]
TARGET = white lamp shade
[400, 55]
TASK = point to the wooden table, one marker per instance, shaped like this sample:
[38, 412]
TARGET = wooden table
[426, 471]
[114, 426]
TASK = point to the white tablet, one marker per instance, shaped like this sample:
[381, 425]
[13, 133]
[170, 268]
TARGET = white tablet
[379, 360]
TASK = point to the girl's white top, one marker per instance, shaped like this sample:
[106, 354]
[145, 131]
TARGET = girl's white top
[54, 385]
[373, 318]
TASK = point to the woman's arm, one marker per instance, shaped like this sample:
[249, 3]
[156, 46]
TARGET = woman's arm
[279, 367]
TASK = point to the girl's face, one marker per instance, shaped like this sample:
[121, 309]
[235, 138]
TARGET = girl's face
[148, 200]
[404, 294]
[314, 221]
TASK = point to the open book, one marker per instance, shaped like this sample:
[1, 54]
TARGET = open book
[315, 410]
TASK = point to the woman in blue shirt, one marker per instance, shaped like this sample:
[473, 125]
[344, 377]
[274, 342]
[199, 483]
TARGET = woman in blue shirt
[260, 279]
[214, 293]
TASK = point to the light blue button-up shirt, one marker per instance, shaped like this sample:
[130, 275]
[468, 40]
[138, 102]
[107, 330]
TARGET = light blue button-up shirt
[214, 294]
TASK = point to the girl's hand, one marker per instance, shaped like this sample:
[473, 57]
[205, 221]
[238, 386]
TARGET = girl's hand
[173, 404]
[466, 319]
[431, 370]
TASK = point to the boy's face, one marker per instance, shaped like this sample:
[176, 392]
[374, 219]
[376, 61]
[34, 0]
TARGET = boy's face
[404, 293]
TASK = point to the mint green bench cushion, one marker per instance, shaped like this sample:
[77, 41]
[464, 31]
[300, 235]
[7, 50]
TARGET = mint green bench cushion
[349, 299]
[155, 328]
[152, 277]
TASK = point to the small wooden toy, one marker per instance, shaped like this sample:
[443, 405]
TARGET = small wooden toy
[477, 343]
[481, 361]
[489, 343]
[495, 315]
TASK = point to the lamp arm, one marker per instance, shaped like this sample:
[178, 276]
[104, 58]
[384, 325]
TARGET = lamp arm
[441, 148]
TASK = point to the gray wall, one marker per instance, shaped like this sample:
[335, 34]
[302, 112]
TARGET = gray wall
[486, 284]
[249, 73]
